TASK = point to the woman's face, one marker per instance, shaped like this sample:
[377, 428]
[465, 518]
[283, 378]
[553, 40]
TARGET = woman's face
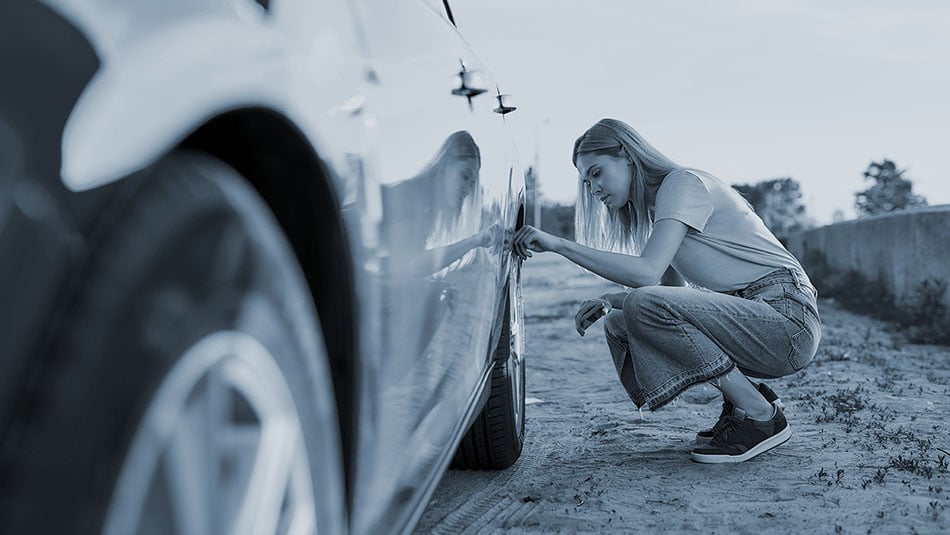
[606, 178]
[460, 178]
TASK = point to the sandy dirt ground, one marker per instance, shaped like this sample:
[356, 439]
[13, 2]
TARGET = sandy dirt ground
[869, 451]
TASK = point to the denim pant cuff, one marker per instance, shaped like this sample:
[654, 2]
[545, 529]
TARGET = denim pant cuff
[666, 392]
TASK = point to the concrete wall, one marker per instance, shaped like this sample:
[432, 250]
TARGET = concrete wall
[901, 250]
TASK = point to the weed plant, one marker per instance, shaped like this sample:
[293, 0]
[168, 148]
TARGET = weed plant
[924, 316]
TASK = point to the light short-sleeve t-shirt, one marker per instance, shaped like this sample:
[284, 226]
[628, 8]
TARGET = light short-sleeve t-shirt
[727, 246]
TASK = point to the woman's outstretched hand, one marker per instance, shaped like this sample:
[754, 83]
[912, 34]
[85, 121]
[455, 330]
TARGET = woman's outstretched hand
[493, 236]
[529, 239]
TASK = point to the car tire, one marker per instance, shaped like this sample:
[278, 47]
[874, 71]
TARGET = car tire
[496, 438]
[187, 388]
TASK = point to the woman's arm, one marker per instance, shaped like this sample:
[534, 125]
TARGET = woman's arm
[670, 278]
[615, 299]
[429, 261]
[633, 271]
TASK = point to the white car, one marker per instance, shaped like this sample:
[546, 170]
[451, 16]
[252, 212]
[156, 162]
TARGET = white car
[255, 265]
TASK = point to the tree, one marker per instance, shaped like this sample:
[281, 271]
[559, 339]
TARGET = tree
[890, 192]
[778, 203]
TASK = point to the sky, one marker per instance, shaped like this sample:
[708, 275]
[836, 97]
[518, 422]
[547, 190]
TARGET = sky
[745, 89]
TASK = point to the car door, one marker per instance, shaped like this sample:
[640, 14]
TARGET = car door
[444, 171]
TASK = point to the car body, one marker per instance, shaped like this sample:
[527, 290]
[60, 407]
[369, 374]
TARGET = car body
[335, 168]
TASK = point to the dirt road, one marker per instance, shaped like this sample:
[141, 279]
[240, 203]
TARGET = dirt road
[869, 451]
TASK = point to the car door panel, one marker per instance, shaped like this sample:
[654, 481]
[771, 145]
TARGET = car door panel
[443, 169]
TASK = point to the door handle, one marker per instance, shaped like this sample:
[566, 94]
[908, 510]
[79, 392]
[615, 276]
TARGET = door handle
[505, 103]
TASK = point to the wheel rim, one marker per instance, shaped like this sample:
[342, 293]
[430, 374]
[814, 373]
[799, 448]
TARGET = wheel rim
[220, 449]
[516, 346]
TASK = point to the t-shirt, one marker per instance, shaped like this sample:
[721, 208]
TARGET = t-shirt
[727, 246]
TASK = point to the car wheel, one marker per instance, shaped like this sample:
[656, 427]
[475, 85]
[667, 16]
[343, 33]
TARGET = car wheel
[188, 390]
[496, 437]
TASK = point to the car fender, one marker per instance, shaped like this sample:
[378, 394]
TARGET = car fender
[150, 91]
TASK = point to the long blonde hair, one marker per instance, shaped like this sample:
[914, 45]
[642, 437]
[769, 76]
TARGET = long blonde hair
[451, 222]
[627, 229]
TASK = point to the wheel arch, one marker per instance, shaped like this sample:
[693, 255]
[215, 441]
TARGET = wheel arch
[270, 152]
[500, 314]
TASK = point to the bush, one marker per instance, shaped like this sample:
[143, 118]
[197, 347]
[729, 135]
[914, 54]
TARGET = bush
[558, 219]
[931, 319]
[924, 316]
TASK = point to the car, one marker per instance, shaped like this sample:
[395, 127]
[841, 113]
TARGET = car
[255, 265]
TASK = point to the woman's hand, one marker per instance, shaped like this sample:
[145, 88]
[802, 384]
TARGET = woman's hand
[589, 312]
[529, 239]
[492, 236]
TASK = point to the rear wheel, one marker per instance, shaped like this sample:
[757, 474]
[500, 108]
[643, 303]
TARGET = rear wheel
[496, 437]
[188, 391]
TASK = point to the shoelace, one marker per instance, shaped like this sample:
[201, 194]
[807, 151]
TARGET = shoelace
[727, 408]
[730, 426]
[725, 413]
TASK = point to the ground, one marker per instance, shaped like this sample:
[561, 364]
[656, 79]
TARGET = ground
[869, 450]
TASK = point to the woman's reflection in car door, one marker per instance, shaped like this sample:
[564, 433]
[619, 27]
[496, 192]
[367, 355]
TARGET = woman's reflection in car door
[432, 232]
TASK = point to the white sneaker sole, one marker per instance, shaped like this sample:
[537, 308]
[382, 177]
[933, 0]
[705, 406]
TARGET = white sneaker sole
[762, 447]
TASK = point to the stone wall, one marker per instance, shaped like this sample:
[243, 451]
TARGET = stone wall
[900, 251]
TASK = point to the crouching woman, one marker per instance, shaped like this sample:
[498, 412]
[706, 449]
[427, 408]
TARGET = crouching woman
[750, 309]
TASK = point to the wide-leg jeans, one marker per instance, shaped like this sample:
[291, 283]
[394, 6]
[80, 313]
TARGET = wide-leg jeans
[666, 339]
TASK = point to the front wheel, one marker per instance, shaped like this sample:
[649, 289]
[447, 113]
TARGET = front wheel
[188, 390]
[496, 437]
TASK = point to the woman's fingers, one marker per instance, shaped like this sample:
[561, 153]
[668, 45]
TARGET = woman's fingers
[516, 245]
[522, 241]
[525, 241]
[531, 240]
[494, 237]
[535, 240]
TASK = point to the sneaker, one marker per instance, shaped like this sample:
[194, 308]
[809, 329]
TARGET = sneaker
[704, 436]
[742, 438]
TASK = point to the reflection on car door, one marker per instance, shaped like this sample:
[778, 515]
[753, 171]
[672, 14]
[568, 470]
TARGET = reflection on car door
[444, 178]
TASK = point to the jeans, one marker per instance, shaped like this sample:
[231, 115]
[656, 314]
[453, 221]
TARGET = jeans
[666, 339]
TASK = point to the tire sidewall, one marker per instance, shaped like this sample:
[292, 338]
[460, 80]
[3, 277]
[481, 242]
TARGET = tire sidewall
[131, 322]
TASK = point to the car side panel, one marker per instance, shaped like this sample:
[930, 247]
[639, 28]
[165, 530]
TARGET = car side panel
[155, 82]
[444, 174]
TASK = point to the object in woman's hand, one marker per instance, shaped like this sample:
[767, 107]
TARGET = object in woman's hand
[593, 316]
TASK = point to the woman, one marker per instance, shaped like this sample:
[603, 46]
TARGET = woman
[750, 309]
[430, 233]
[432, 219]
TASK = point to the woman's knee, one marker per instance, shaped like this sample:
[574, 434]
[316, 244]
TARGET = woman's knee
[642, 305]
[614, 324]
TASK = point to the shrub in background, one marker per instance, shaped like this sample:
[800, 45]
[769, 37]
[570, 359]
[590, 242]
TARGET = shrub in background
[931, 321]
[558, 219]
[924, 317]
